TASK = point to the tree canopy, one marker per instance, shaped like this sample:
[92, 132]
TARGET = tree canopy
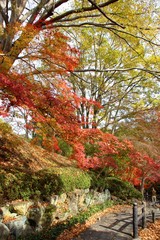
[67, 65]
[18, 18]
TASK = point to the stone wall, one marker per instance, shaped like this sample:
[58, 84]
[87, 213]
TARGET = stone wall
[20, 218]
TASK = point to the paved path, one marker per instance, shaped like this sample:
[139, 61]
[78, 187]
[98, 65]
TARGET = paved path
[113, 226]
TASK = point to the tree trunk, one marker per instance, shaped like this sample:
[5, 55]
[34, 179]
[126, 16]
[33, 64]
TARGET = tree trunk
[142, 186]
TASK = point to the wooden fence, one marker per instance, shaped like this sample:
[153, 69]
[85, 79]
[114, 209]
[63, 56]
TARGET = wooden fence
[142, 218]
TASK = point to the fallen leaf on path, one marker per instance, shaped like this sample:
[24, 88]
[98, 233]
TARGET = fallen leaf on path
[78, 228]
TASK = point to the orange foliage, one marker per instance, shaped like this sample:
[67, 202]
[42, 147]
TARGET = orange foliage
[96, 149]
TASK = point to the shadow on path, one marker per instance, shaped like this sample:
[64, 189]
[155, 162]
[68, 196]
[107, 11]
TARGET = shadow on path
[115, 226]
[100, 235]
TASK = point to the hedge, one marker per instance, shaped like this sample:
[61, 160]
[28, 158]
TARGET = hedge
[41, 184]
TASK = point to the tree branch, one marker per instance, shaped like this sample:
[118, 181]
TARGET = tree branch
[103, 13]
[4, 16]
[119, 70]
[106, 26]
[41, 22]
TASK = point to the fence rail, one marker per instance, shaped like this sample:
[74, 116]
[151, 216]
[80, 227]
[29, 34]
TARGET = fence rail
[142, 217]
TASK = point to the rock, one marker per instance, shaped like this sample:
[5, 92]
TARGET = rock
[73, 208]
[54, 199]
[7, 213]
[1, 215]
[114, 198]
[86, 190]
[81, 199]
[4, 232]
[62, 216]
[73, 203]
[16, 227]
[62, 198]
[35, 214]
[107, 194]
[21, 227]
[88, 199]
[21, 207]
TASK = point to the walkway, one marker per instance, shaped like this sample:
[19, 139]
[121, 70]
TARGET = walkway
[113, 226]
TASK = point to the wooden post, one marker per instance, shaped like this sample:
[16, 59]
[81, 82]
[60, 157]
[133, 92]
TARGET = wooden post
[153, 216]
[144, 215]
[135, 221]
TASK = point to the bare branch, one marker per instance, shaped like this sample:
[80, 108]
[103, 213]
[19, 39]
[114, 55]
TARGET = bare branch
[3, 14]
[103, 13]
[43, 23]
[135, 36]
[105, 26]
[36, 11]
[21, 4]
[79, 17]
[49, 13]
[85, 24]
[152, 72]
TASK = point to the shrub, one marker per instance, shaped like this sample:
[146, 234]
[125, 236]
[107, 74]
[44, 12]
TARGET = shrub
[5, 127]
[65, 148]
[48, 215]
[8, 141]
[63, 180]
[121, 189]
[117, 187]
[49, 182]
[98, 181]
[20, 185]
[74, 178]
[25, 186]
[16, 185]
[91, 149]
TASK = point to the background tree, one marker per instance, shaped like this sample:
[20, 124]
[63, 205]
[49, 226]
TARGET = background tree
[23, 21]
[143, 131]
[110, 73]
[18, 19]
